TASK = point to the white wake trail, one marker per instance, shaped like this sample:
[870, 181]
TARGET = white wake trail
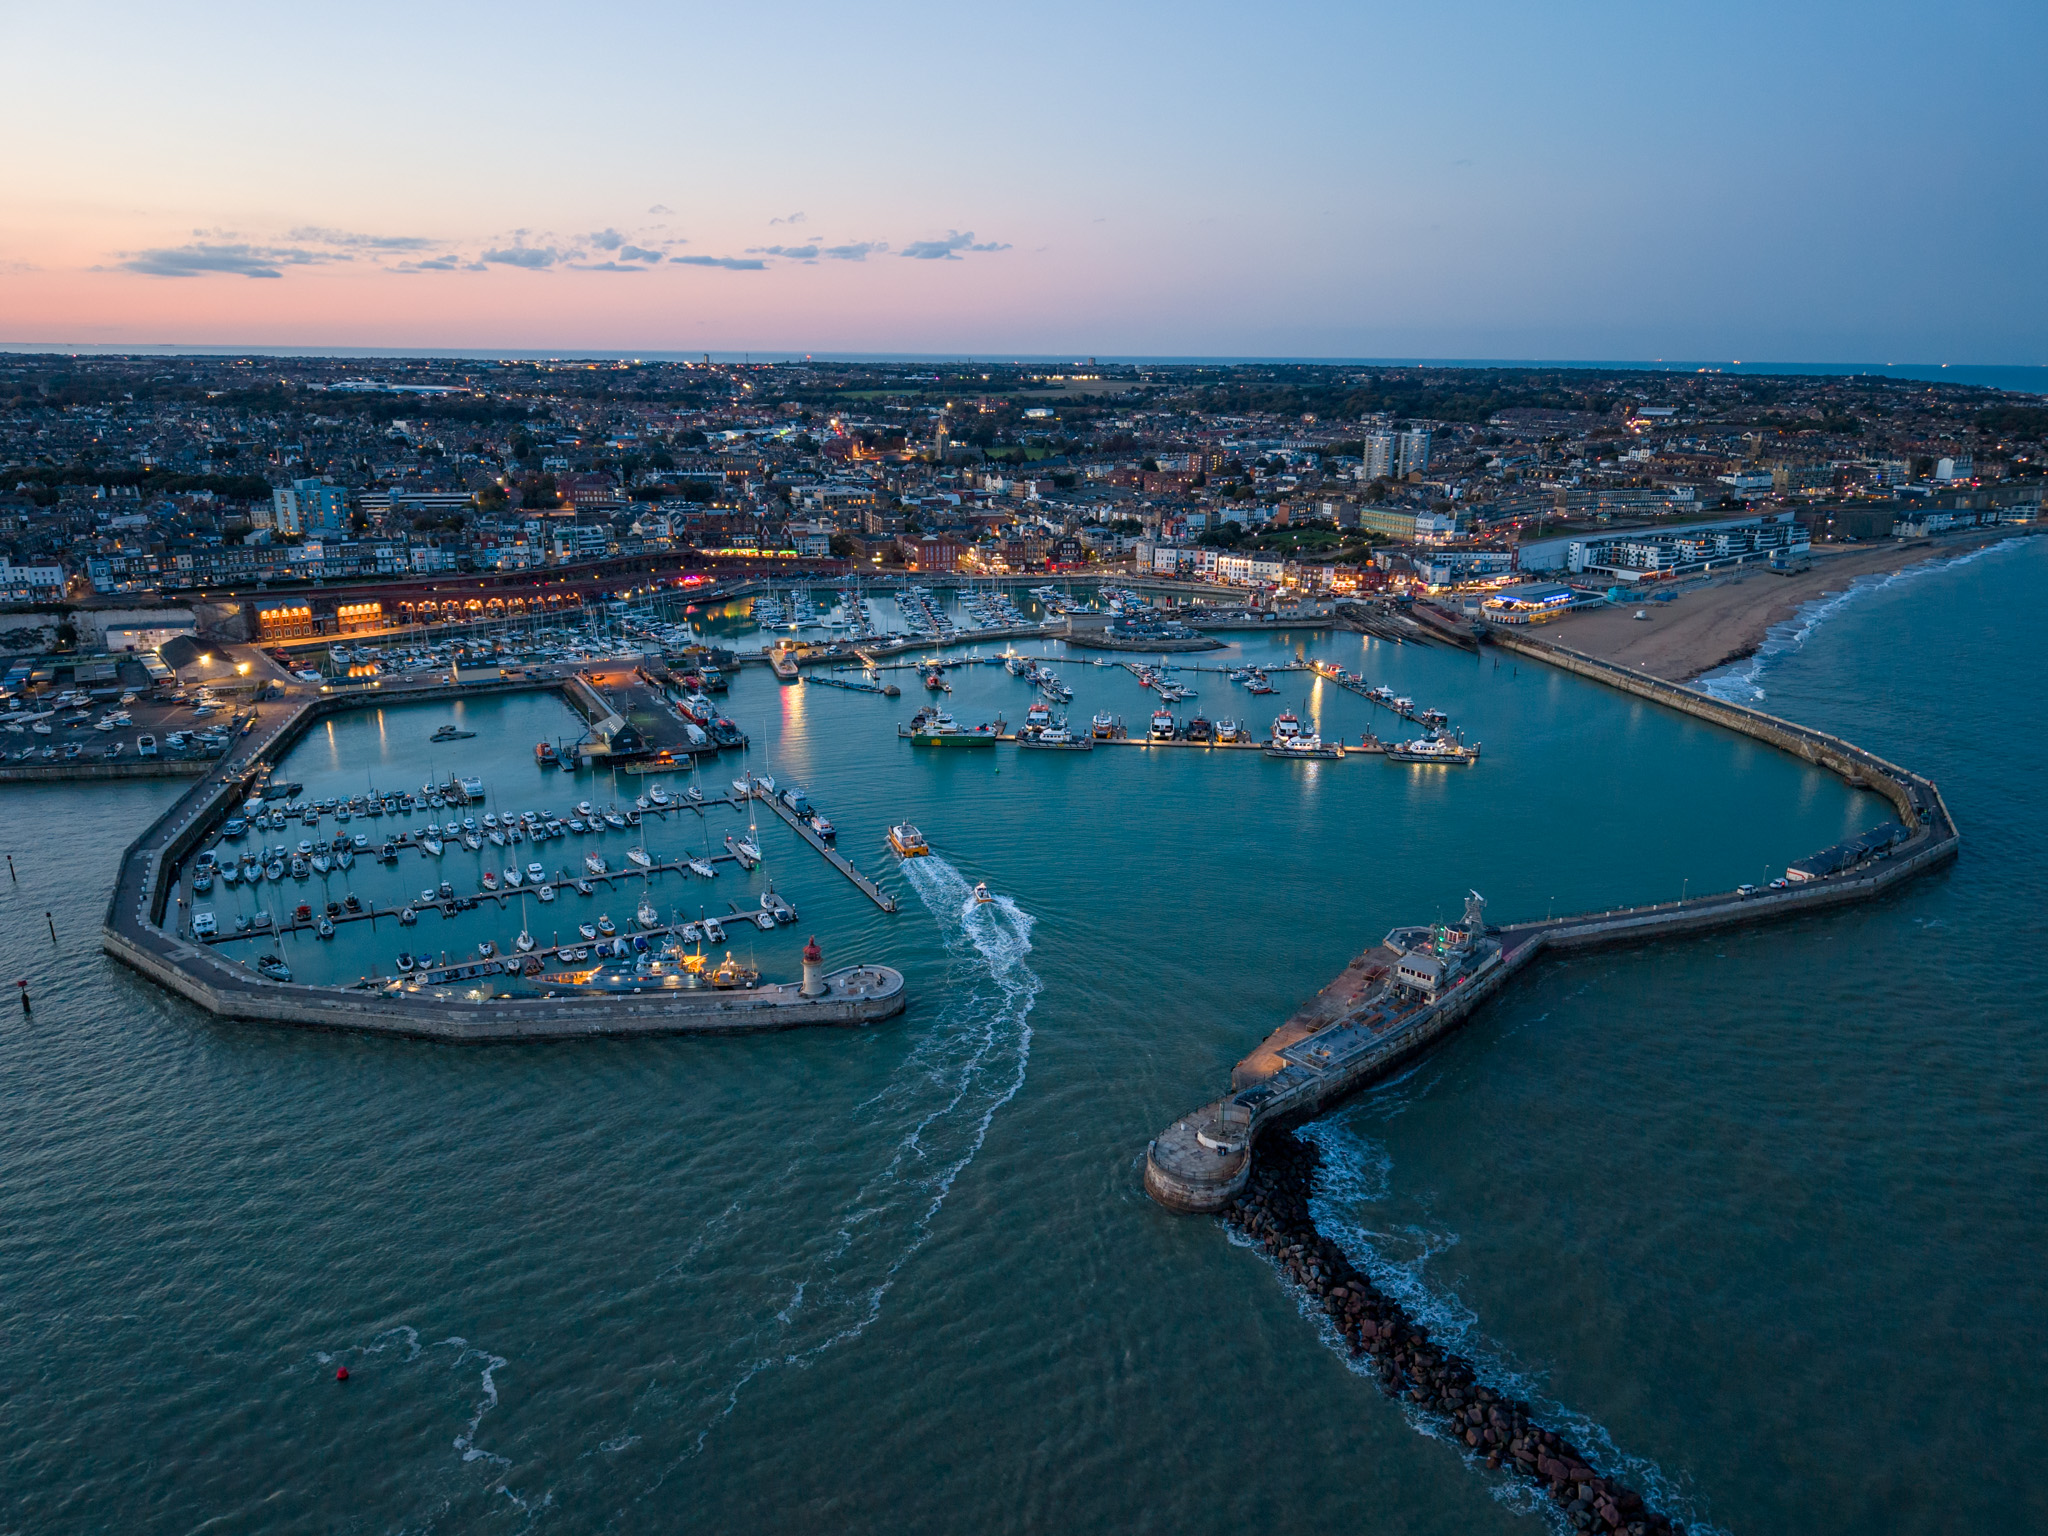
[1354, 1176]
[942, 1099]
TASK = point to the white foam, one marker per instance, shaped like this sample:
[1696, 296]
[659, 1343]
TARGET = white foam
[1355, 1175]
[1740, 682]
[944, 1095]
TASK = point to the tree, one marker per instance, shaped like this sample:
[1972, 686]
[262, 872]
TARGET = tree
[842, 546]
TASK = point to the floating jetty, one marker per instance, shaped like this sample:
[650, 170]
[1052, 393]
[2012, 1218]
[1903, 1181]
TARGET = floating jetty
[832, 856]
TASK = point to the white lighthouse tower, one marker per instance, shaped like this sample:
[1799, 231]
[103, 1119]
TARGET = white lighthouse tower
[814, 969]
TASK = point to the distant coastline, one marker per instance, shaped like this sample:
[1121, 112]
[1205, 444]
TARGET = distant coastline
[2023, 377]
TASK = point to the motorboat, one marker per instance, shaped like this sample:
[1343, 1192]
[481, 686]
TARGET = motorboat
[545, 892]
[405, 964]
[1286, 727]
[588, 930]
[908, 842]
[605, 925]
[204, 925]
[325, 927]
[536, 873]
[486, 948]
[490, 881]
[407, 915]
[274, 967]
[981, 896]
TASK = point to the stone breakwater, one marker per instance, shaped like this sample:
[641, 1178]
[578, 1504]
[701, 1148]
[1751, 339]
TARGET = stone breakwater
[1273, 1212]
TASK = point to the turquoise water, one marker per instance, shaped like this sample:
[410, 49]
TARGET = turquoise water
[1757, 1209]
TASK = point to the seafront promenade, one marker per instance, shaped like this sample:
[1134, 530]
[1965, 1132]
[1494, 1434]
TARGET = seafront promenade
[135, 932]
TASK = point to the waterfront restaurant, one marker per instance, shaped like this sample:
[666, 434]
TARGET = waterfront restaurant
[1533, 602]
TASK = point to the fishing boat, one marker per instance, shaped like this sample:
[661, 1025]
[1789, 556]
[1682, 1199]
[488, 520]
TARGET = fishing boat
[1433, 749]
[1310, 747]
[825, 830]
[1162, 725]
[729, 973]
[1103, 727]
[1038, 716]
[605, 925]
[908, 842]
[490, 881]
[1227, 730]
[1286, 727]
[1057, 738]
[546, 756]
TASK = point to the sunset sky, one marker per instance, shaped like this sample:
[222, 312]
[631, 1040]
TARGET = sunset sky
[1815, 182]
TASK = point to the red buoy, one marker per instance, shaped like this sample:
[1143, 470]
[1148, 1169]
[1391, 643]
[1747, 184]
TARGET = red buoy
[342, 1374]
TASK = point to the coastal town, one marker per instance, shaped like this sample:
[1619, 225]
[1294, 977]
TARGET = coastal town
[131, 480]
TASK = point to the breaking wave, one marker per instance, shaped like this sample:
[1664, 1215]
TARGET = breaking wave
[1742, 681]
[1354, 1179]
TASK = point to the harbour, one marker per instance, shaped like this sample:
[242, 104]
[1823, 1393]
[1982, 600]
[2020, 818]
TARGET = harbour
[1502, 1189]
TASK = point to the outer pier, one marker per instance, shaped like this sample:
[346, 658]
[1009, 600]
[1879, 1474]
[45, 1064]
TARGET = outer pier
[1351, 1033]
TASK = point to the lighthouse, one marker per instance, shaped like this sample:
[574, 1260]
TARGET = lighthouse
[814, 969]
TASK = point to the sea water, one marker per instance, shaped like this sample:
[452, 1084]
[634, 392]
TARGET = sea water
[1753, 1213]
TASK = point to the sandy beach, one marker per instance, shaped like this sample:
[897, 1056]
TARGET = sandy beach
[1722, 619]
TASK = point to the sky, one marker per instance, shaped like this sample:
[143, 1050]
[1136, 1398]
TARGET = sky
[1820, 181]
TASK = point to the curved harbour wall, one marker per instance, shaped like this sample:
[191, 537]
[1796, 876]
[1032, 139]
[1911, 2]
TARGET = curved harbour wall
[1215, 1160]
[1199, 1164]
